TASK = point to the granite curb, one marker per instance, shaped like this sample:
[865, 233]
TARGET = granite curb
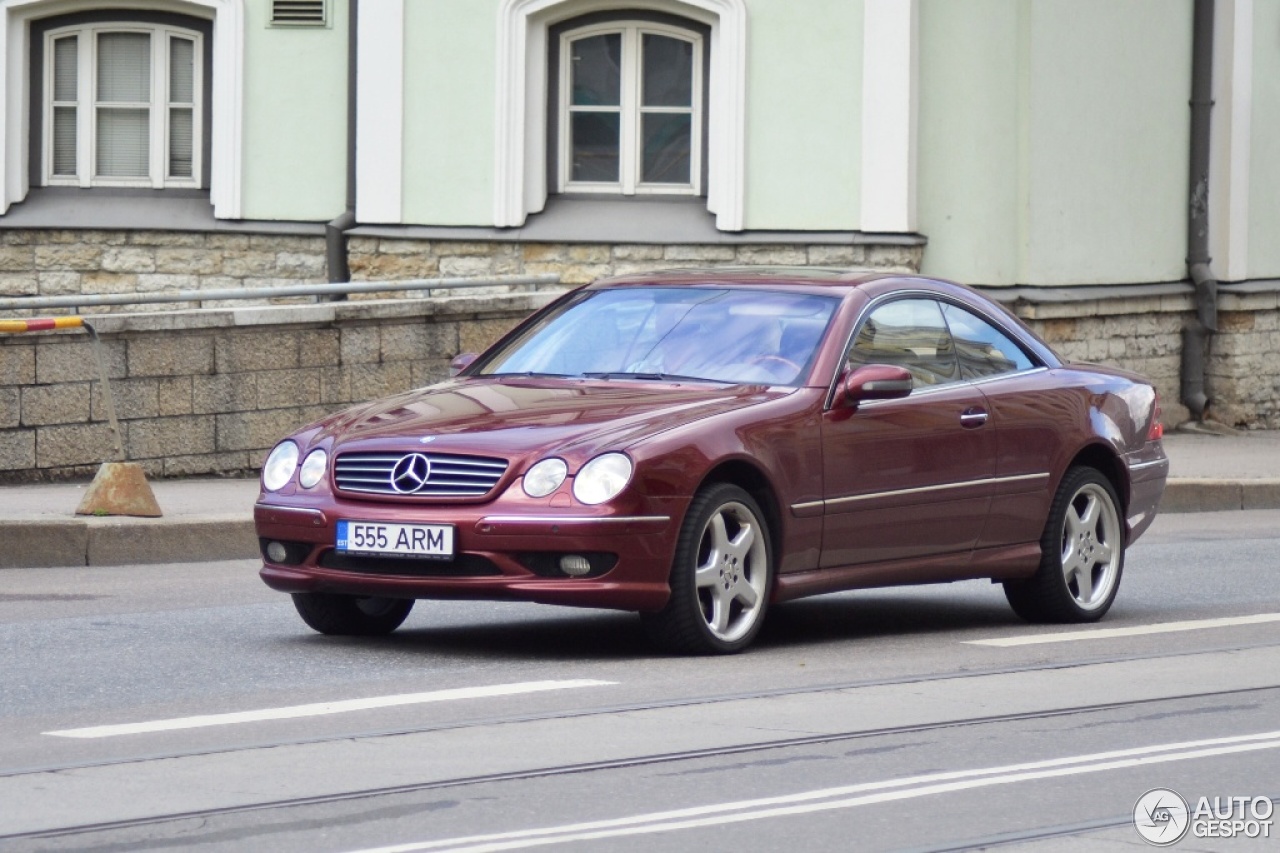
[85, 541]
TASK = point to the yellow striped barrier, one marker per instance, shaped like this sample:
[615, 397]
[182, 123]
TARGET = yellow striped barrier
[40, 324]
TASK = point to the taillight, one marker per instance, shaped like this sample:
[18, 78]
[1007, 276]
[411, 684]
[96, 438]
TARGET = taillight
[1156, 431]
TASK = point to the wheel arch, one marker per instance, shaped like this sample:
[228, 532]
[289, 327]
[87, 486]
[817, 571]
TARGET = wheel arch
[1103, 458]
[753, 481]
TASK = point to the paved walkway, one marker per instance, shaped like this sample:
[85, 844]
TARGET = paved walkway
[212, 519]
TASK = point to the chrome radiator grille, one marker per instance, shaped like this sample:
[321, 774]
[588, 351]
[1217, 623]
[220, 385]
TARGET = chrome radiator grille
[428, 475]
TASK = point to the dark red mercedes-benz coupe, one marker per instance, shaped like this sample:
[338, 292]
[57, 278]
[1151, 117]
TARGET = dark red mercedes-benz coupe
[694, 445]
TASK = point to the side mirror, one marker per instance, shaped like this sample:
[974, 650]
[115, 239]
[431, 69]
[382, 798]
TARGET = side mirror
[875, 382]
[462, 362]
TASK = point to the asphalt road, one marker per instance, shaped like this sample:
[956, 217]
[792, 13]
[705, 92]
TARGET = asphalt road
[187, 707]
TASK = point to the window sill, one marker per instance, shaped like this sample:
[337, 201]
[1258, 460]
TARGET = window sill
[614, 219]
[127, 209]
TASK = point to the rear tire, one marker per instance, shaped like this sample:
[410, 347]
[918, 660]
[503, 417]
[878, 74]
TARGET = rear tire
[1082, 554]
[350, 615]
[721, 577]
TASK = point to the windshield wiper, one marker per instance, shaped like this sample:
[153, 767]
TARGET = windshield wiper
[525, 374]
[651, 377]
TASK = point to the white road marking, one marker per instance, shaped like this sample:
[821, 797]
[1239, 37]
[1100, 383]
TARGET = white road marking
[1134, 631]
[323, 708]
[827, 799]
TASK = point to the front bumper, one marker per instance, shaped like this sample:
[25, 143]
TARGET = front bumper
[503, 542]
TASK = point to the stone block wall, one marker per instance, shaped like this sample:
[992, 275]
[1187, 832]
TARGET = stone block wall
[210, 391]
[1144, 334]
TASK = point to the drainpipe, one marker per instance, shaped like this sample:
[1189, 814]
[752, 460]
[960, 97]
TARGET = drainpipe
[1197, 335]
[335, 238]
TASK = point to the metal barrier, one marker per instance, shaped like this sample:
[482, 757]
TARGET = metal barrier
[39, 303]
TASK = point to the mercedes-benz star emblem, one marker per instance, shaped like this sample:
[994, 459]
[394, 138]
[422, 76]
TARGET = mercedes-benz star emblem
[410, 473]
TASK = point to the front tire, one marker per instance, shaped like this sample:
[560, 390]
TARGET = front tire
[350, 615]
[1082, 554]
[721, 577]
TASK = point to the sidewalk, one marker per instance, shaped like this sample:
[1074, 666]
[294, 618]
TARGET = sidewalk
[213, 519]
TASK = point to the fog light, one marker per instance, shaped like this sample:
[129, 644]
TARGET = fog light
[276, 552]
[575, 566]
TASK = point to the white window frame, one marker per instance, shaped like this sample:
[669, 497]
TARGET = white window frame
[630, 111]
[159, 106]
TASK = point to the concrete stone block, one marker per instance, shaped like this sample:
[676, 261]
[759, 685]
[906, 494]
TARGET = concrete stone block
[169, 238]
[75, 257]
[16, 258]
[429, 372]
[158, 438]
[173, 396]
[402, 342]
[190, 261]
[633, 267]
[590, 254]
[288, 388]
[108, 282]
[230, 242]
[10, 413]
[133, 398]
[18, 284]
[544, 252]
[157, 282]
[62, 359]
[335, 387]
[17, 363]
[286, 243]
[300, 264]
[58, 283]
[369, 245]
[360, 344]
[392, 267]
[249, 263]
[507, 260]
[836, 256]
[129, 259]
[466, 266]
[319, 348]
[719, 254]
[119, 488]
[55, 404]
[17, 451]
[894, 257]
[16, 238]
[771, 255]
[459, 247]
[584, 273]
[370, 381]
[258, 431]
[264, 349]
[1187, 495]
[171, 355]
[481, 334]
[234, 392]
[637, 252]
[42, 544]
[79, 444]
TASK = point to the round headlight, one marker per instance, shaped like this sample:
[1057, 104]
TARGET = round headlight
[280, 466]
[312, 470]
[602, 478]
[545, 477]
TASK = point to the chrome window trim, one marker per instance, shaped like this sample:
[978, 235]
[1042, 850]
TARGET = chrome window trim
[831, 502]
[875, 303]
[1142, 466]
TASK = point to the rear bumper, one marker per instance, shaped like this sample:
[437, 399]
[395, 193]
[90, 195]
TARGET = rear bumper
[1148, 473]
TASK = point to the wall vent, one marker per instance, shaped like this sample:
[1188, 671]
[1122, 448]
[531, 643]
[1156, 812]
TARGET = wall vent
[298, 13]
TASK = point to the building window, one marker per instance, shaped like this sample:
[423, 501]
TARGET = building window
[123, 106]
[630, 112]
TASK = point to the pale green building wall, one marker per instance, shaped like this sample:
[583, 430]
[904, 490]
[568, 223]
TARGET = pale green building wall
[1091, 189]
[449, 65]
[804, 114]
[1264, 167]
[295, 117]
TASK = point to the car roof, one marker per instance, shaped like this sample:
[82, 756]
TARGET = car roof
[766, 276]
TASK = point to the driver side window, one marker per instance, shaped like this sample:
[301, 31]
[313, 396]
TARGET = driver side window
[908, 333]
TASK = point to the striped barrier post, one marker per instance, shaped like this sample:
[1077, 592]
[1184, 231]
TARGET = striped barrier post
[49, 324]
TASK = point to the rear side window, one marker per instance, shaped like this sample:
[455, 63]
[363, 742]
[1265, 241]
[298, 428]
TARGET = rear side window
[908, 333]
[982, 349]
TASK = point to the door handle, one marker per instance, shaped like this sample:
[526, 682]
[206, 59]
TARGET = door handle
[973, 417]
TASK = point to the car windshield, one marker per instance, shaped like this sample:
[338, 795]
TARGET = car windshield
[746, 335]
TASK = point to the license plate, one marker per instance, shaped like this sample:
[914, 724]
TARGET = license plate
[398, 540]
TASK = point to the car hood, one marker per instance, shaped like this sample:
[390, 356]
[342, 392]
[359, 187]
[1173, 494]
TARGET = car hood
[514, 416]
